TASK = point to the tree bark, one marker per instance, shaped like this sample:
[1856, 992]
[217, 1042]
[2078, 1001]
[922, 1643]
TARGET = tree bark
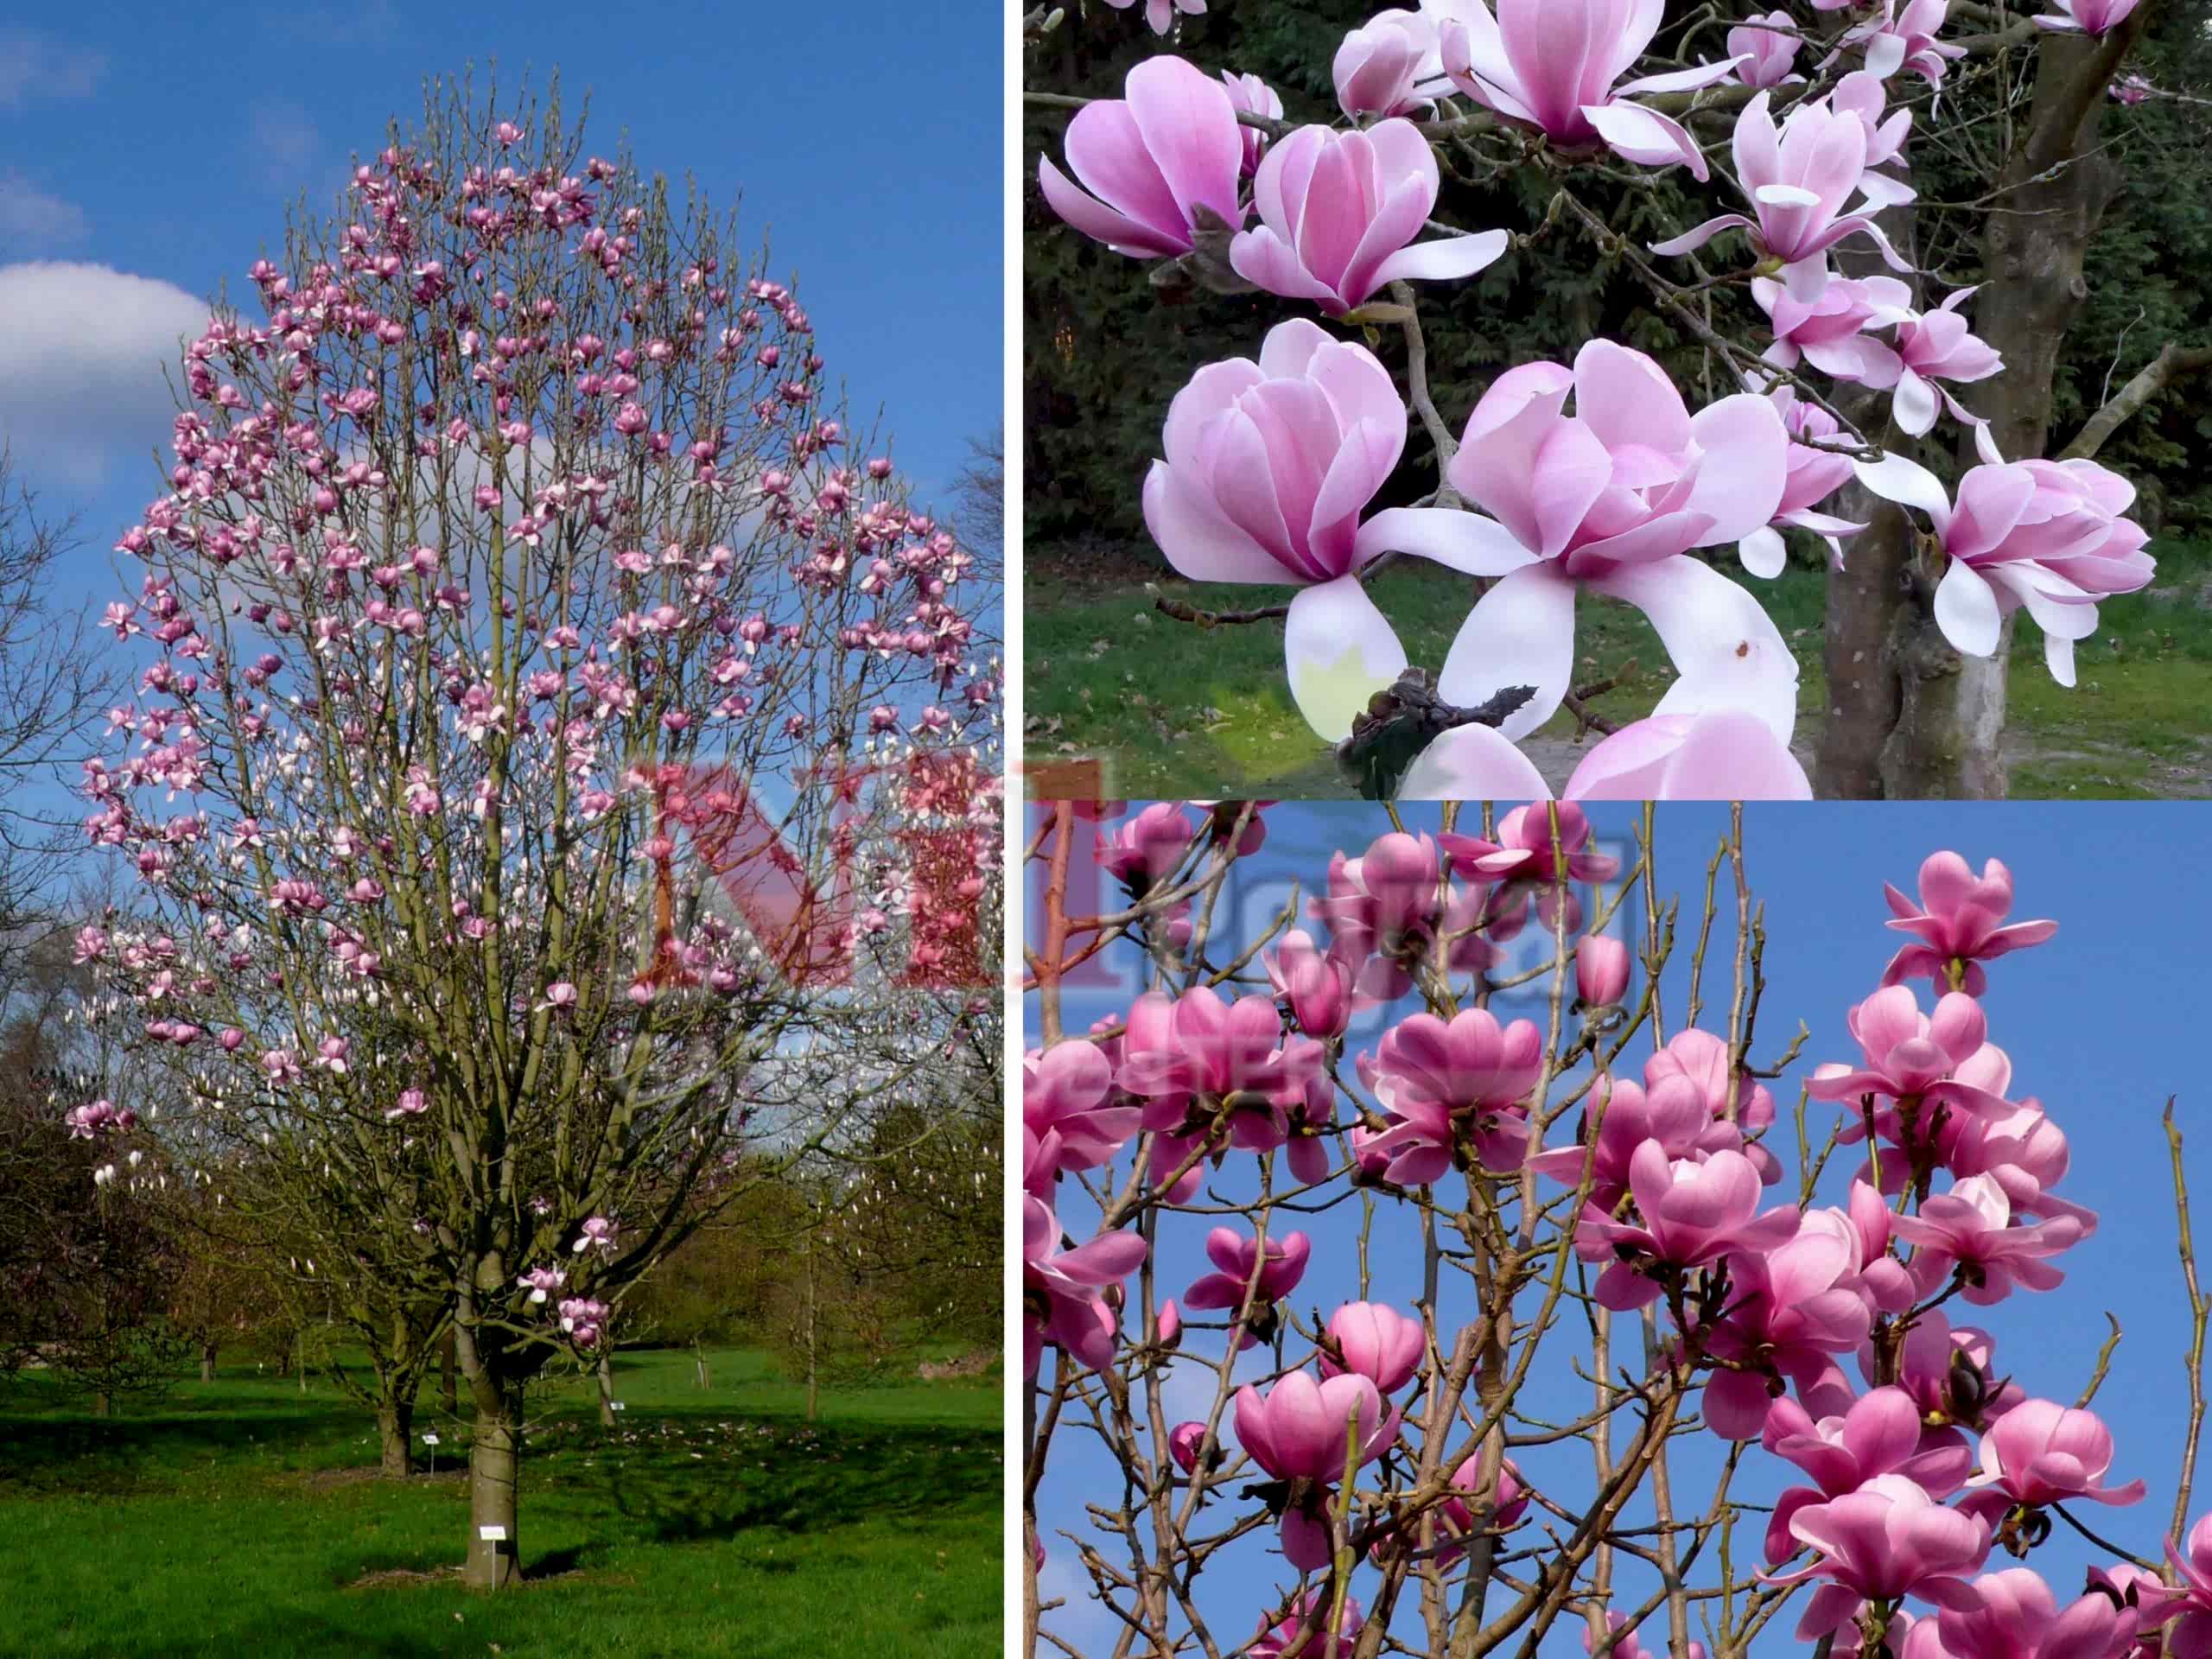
[494, 1454]
[448, 1376]
[1865, 603]
[605, 1391]
[207, 1361]
[396, 1437]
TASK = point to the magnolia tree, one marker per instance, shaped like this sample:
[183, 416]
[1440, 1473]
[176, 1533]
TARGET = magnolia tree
[1586, 1272]
[1842, 364]
[552, 726]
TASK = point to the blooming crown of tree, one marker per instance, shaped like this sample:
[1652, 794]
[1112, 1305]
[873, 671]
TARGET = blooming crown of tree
[1508, 1168]
[1271, 466]
[516, 545]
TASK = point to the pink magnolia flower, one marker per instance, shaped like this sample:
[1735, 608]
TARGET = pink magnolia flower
[1524, 849]
[1879, 1434]
[1209, 1047]
[583, 1320]
[1790, 1311]
[1296, 1630]
[1903, 38]
[1814, 475]
[1269, 466]
[1614, 496]
[1932, 347]
[1236, 1259]
[1691, 1214]
[1376, 1341]
[1553, 65]
[2130, 90]
[1299, 1429]
[1670, 1116]
[2017, 1617]
[2085, 16]
[1338, 213]
[1151, 162]
[1722, 755]
[1798, 178]
[1960, 924]
[1160, 14]
[1441, 1083]
[1148, 847]
[1864, 95]
[1317, 987]
[1184, 1443]
[1971, 1229]
[1389, 66]
[1828, 331]
[1881, 1543]
[2042, 1453]
[1252, 96]
[598, 1234]
[1064, 1290]
[2047, 536]
[2192, 1636]
[2147, 1599]
[412, 1102]
[1601, 965]
[1765, 50]
[1912, 1056]
[1068, 1099]
[1393, 902]
[540, 1283]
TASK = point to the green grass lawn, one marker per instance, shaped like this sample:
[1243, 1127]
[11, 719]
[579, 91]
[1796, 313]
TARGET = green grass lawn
[1157, 708]
[242, 1519]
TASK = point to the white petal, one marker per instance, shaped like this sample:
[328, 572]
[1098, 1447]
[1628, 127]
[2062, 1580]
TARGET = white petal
[1966, 610]
[1473, 763]
[1454, 258]
[1914, 406]
[1520, 632]
[1905, 481]
[1763, 552]
[1338, 651]
[1726, 649]
[1464, 540]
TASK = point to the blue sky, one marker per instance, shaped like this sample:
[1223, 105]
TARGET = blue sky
[866, 139]
[2102, 1025]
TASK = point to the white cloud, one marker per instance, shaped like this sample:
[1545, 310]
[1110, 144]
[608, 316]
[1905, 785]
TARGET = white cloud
[82, 350]
[29, 219]
[34, 66]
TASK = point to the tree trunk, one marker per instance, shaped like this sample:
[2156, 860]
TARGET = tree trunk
[207, 1361]
[1907, 716]
[605, 1390]
[448, 1376]
[395, 1436]
[103, 1405]
[701, 1375]
[494, 1452]
[1865, 605]
[813, 1344]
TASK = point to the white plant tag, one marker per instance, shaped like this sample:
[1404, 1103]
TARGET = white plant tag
[492, 1535]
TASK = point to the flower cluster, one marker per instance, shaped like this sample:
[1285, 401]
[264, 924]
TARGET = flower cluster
[1830, 1339]
[1272, 467]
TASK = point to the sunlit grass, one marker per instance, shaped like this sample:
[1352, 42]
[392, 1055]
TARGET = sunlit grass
[240, 1518]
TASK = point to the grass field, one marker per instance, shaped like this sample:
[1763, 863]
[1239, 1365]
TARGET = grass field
[1156, 708]
[242, 1519]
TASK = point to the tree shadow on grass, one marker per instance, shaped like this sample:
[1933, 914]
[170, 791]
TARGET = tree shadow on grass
[161, 1451]
[711, 1484]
